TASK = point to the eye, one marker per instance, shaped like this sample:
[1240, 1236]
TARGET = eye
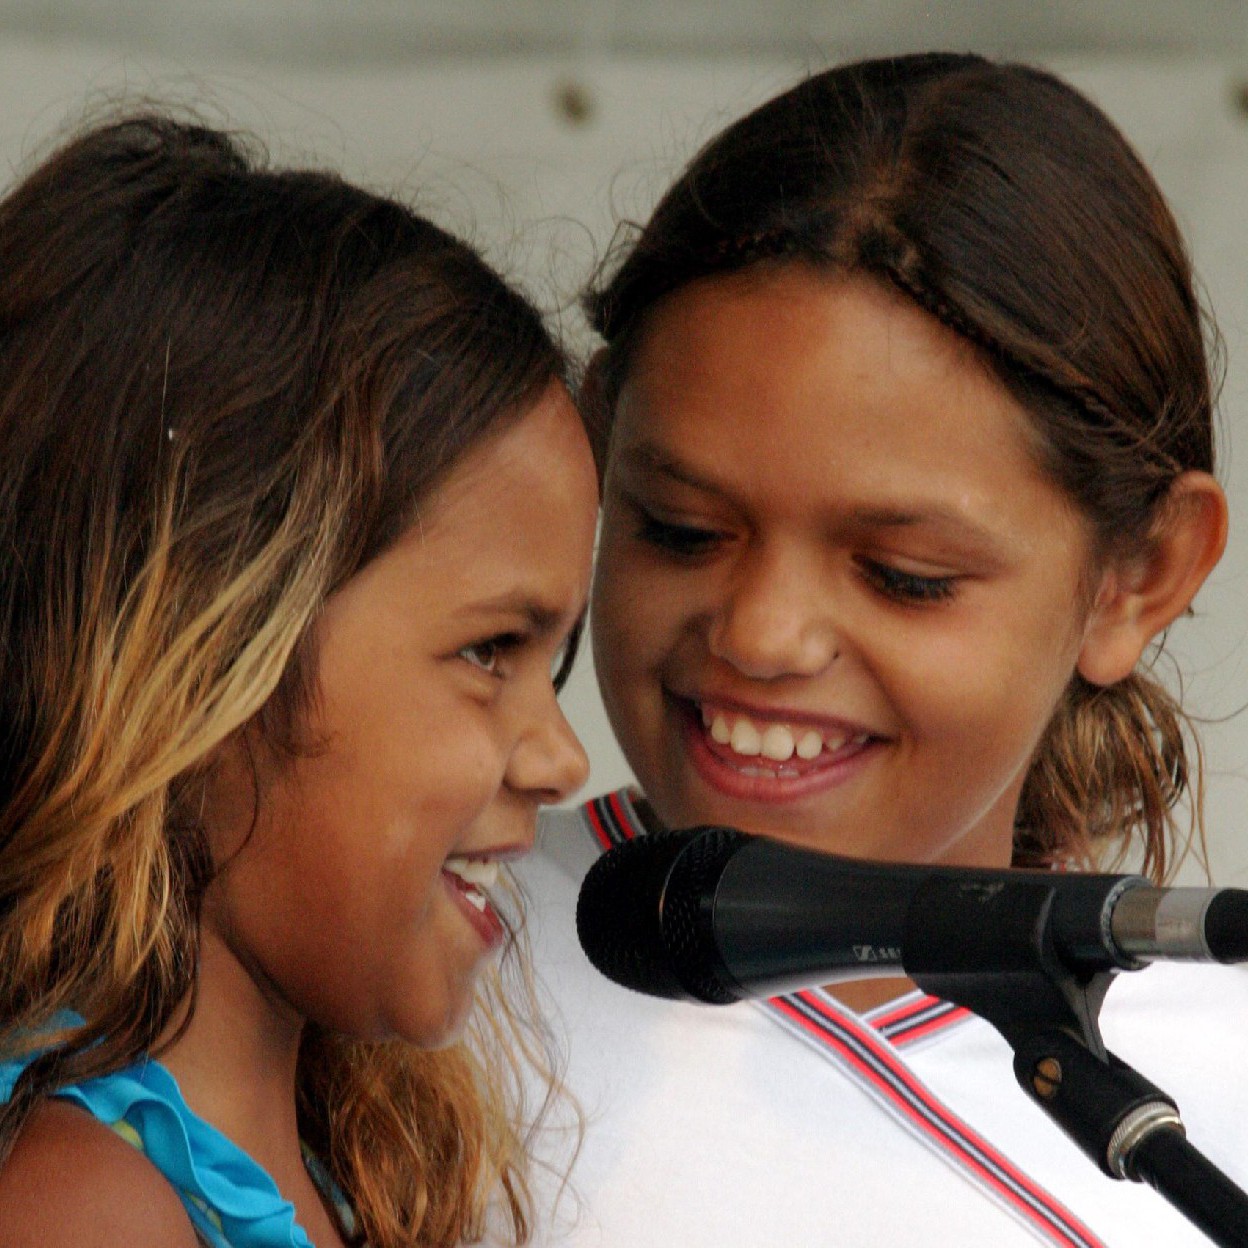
[683, 540]
[489, 653]
[907, 587]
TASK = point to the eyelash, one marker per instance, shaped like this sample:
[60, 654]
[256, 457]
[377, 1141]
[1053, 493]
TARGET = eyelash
[682, 540]
[507, 643]
[499, 647]
[688, 542]
[908, 587]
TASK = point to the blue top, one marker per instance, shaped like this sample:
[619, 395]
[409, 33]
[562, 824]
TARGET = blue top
[231, 1200]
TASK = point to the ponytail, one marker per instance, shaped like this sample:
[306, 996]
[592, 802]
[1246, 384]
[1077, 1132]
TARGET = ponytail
[1113, 767]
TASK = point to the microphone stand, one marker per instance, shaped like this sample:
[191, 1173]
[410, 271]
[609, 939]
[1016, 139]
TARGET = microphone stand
[1050, 1018]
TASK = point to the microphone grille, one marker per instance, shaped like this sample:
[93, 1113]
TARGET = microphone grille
[688, 916]
[618, 916]
[644, 919]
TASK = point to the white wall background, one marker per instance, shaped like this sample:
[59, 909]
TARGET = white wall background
[488, 147]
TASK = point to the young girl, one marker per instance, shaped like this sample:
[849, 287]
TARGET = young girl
[296, 516]
[906, 440]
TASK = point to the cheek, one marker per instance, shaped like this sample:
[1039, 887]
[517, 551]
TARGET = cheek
[437, 768]
[368, 841]
[988, 696]
[371, 946]
[624, 635]
[642, 606]
[637, 645]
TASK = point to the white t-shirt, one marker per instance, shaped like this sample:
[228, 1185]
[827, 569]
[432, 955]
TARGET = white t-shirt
[801, 1123]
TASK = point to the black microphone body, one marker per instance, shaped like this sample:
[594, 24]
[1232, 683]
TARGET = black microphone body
[716, 915]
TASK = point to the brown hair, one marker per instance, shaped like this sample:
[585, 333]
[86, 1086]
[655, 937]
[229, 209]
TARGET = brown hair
[223, 390]
[1007, 206]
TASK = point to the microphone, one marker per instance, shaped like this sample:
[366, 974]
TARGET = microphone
[716, 915]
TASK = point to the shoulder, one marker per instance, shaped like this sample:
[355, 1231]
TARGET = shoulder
[70, 1180]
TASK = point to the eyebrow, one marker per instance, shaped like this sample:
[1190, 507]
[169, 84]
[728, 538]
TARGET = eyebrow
[541, 619]
[896, 518]
[647, 456]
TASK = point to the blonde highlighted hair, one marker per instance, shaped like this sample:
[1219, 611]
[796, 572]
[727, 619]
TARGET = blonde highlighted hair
[223, 389]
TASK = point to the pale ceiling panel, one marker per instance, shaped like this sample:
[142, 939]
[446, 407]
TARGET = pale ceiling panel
[386, 32]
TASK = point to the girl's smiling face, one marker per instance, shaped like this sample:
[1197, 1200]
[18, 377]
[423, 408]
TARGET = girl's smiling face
[435, 737]
[837, 601]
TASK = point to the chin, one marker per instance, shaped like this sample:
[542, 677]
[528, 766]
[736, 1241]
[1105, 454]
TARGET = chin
[438, 1028]
[449, 1033]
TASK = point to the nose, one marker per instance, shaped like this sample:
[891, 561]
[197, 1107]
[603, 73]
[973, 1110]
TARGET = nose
[548, 762]
[775, 619]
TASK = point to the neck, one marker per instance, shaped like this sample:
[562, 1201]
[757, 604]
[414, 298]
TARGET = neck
[236, 1065]
[235, 1062]
[863, 995]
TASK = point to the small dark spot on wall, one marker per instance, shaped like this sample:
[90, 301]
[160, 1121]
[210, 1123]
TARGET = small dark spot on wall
[574, 102]
[1239, 95]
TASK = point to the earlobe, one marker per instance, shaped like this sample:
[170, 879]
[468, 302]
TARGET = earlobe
[1140, 595]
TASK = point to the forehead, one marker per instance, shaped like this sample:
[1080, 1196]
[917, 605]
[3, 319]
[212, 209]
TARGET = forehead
[528, 492]
[800, 383]
[512, 521]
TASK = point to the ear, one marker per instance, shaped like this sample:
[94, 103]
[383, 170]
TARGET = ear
[1142, 594]
[595, 408]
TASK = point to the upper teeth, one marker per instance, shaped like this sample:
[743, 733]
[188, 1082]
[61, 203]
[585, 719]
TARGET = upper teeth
[479, 872]
[777, 742]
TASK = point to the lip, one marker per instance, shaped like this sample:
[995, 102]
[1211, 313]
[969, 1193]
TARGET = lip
[768, 783]
[779, 715]
[498, 853]
[486, 923]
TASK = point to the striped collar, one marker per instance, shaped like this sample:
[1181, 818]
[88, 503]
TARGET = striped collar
[866, 1048]
[871, 1061]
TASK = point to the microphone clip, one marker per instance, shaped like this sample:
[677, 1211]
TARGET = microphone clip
[954, 928]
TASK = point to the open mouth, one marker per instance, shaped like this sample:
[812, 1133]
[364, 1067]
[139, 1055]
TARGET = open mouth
[769, 747]
[751, 758]
[473, 877]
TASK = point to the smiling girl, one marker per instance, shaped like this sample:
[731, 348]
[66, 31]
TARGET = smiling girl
[906, 440]
[297, 516]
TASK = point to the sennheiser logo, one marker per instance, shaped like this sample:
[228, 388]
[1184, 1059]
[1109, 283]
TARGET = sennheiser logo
[877, 953]
[986, 891]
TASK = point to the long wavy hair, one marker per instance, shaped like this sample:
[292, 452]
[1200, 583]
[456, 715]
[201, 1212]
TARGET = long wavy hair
[1007, 206]
[223, 390]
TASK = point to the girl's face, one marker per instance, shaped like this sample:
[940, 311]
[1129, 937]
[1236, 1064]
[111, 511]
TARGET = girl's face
[836, 601]
[436, 737]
